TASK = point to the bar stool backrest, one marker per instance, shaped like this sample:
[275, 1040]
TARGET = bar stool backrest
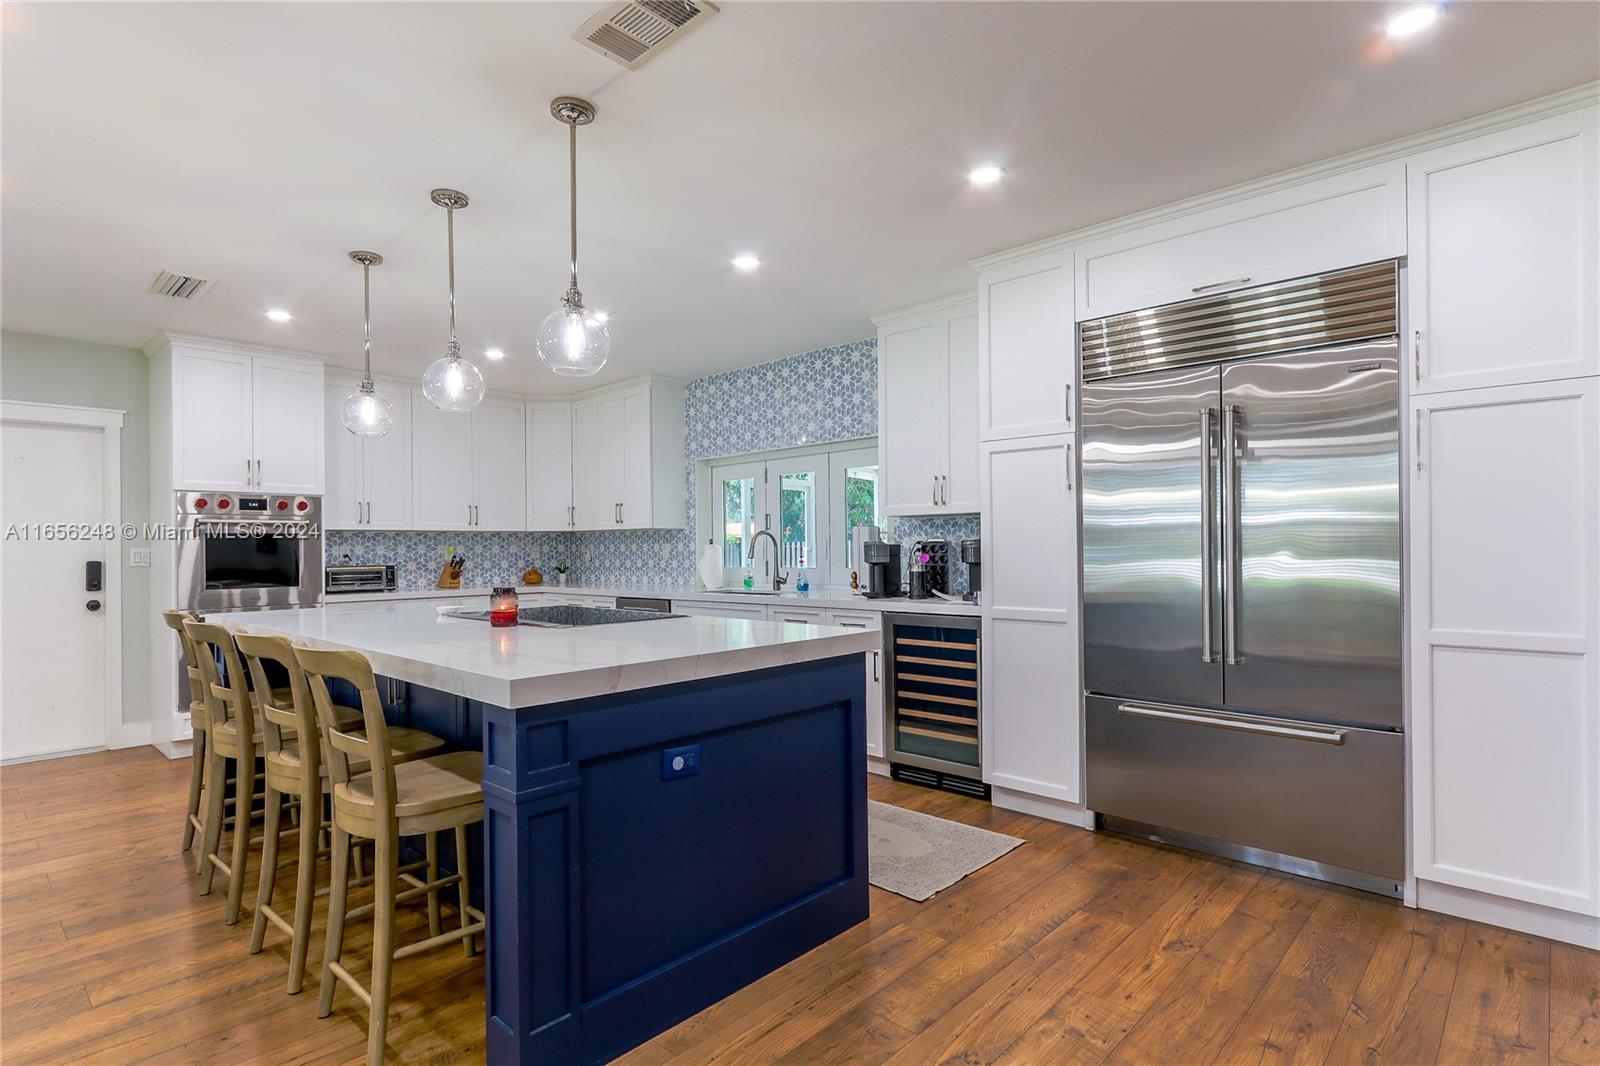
[199, 712]
[258, 650]
[350, 666]
[229, 699]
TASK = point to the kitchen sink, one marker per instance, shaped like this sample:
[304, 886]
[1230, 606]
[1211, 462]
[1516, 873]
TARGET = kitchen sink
[571, 616]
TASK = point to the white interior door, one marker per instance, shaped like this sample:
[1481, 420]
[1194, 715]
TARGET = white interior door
[53, 651]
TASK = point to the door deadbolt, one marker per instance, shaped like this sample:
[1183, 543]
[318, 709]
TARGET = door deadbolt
[93, 605]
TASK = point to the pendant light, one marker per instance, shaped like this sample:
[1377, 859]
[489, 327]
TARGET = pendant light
[451, 383]
[572, 340]
[365, 413]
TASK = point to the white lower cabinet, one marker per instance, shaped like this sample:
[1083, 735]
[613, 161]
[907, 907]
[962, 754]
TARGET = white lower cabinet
[752, 611]
[1032, 705]
[1505, 642]
[875, 724]
[809, 616]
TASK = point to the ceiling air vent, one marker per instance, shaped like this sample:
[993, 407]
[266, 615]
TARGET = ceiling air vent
[179, 286]
[636, 31]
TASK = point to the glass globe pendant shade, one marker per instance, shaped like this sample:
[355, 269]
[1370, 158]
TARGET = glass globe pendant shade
[451, 383]
[366, 414]
[573, 342]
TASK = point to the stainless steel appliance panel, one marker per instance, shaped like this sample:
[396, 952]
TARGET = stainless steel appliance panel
[1312, 628]
[1151, 541]
[1329, 794]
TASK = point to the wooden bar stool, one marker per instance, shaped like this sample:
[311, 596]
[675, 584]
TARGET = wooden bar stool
[389, 801]
[199, 719]
[294, 767]
[234, 738]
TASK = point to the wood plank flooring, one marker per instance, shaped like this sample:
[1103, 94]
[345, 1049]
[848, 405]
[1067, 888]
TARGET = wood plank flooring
[1076, 948]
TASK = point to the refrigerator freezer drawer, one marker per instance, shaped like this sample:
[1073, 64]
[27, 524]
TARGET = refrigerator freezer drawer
[1328, 794]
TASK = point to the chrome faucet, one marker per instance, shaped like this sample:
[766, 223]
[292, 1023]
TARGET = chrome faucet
[778, 580]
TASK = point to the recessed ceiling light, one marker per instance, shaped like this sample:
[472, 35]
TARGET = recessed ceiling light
[278, 314]
[1413, 20]
[746, 263]
[600, 317]
[985, 175]
[496, 354]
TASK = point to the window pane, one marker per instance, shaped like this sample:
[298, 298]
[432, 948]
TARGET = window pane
[797, 512]
[860, 506]
[738, 518]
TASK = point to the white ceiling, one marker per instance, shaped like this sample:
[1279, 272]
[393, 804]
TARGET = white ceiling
[255, 144]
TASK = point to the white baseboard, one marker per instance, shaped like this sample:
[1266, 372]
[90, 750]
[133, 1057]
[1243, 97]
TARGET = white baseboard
[877, 766]
[1580, 929]
[174, 749]
[130, 735]
[1042, 807]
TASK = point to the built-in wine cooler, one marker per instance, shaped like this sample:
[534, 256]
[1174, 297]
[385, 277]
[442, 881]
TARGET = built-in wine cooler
[932, 700]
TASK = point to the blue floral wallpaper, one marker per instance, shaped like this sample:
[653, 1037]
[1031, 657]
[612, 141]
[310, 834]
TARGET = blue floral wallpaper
[815, 397]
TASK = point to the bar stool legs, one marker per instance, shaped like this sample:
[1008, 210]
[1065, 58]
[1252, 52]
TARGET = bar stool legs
[463, 891]
[197, 766]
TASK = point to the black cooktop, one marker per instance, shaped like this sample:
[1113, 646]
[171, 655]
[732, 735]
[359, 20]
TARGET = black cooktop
[568, 616]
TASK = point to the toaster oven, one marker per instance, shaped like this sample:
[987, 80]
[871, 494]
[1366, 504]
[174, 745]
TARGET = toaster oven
[376, 577]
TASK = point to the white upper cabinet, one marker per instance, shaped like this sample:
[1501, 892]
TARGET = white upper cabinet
[1505, 232]
[1339, 221]
[1027, 361]
[550, 465]
[368, 478]
[247, 422]
[1505, 641]
[469, 471]
[286, 416]
[499, 466]
[441, 466]
[927, 409]
[628, 461]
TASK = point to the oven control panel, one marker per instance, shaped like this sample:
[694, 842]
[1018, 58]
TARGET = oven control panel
[228, 504]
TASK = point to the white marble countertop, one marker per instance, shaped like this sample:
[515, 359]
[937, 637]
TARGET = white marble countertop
[520, 666]
[842, 599]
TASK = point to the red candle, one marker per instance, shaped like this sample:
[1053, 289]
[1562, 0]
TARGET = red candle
[503, 607]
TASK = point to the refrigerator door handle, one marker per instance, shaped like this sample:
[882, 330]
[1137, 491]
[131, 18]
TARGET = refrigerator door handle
[1230, 536]
[1208, 517]
[1232, 723]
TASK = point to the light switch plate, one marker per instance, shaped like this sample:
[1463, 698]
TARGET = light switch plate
[138, 556]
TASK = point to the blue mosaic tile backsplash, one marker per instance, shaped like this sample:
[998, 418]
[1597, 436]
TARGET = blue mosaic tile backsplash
[815, 397]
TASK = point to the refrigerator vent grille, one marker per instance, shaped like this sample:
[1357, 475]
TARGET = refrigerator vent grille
[1338, 308]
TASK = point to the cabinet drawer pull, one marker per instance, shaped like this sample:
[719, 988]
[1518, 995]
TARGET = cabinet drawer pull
[1220, 284]
[1416, 354]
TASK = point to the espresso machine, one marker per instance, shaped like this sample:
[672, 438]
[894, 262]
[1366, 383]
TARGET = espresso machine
[972, 556]
[883, 569]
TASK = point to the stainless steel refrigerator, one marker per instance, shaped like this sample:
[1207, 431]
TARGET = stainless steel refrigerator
[1241, 574]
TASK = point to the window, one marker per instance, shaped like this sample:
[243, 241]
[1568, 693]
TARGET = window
[810, 502]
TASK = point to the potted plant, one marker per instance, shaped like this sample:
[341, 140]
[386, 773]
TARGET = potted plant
[561, 575]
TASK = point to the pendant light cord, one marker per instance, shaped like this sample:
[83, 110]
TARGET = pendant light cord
[450, 240]
[366, 322]
[572, 185]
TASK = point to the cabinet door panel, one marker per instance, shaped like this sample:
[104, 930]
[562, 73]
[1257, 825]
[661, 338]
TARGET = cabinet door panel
[1030, 527]
[634, 462]
[441, 466]
[287, 403]
[1032, 703]
[959, 494]
[499, 466]
[1503, 251]
[549, 466]
[387, 467]
[342, 498]
[914, 381]
[211, 413]
[1505, 595]
[591, 498]
[609, 445]
[1027, 358]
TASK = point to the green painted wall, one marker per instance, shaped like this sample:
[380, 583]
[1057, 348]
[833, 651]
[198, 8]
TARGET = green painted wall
[53, 370]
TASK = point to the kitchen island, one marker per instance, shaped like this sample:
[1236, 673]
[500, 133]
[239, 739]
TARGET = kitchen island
[673, 807]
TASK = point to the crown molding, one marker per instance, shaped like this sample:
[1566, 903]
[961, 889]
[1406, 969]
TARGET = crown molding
[1560, 103]
[956, 302]
[163, 342]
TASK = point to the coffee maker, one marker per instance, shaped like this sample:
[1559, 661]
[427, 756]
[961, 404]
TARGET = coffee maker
[883, 569]
[971, 555]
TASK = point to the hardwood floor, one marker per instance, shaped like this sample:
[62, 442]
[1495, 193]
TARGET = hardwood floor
[1077, 947]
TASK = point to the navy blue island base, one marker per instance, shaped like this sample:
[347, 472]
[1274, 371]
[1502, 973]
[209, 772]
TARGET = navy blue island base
[646, 853]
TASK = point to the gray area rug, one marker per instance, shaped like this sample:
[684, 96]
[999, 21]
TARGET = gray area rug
[916, 854]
